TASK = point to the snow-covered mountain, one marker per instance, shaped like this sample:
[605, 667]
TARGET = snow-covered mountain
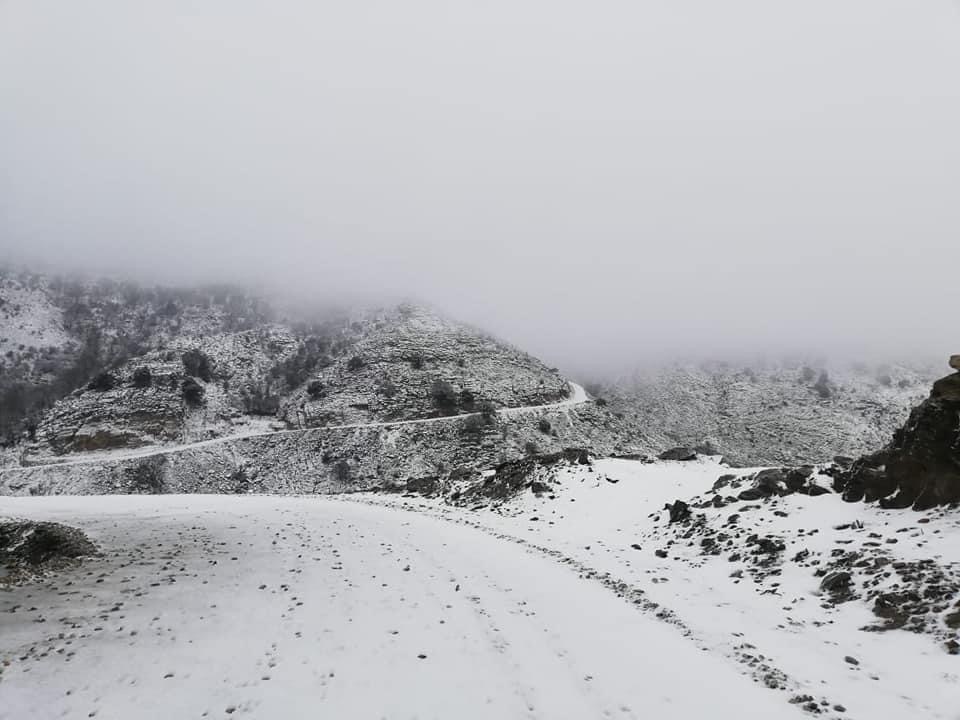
[772, 413]
[193, 391]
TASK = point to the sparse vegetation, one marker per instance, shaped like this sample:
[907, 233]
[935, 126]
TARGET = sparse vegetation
[197, 364]
[416, 361]
[823, 387]
[443, 396]
[102, 382]
[342, 472]
[260, 400]
[192, 391]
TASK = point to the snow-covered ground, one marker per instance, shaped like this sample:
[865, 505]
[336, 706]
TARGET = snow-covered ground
[273, 607]
[774, 624]
[550, 606]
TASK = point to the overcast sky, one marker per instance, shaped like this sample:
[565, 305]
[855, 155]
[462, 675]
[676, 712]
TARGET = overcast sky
[599, 182]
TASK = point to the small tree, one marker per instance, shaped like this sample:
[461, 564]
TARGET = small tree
[142, 377]
[314, 389]
[416, 361]
[822, 386]
[197, 364]
[192, 392]
[544, 426]
[443, 395]
[102, 381]
[355, 363]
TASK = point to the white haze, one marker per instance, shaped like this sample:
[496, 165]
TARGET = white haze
[600, 182]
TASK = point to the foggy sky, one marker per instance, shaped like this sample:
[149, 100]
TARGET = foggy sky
[598, 182]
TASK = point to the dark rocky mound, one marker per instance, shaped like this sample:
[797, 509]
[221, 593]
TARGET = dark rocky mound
[35, 545]
[920, 468]
[513, 477]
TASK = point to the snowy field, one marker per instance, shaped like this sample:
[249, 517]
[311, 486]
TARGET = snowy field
[382, 606]
[272, 607]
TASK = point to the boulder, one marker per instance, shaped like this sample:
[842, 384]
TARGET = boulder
[678, 453]
[920, 467]
[955, 362]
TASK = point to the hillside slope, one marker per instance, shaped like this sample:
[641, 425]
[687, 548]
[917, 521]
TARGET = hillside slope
[778, 414]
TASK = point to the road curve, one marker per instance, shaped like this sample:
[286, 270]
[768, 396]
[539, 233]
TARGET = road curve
[286, 607]
[578, 396]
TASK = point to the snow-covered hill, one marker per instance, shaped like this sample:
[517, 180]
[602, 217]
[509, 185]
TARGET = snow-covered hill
[777, 413]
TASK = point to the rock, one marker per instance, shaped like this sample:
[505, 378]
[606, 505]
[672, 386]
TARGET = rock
[660, 553]
[851, 660]
[723, 481]
[955, 362]
[836, 583]
[678, 453]
[38, 543]
[679, 511]
[920, 467]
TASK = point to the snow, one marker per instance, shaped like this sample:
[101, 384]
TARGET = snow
[533, 608]
[578, 396]
[600, 513]
[292, 607]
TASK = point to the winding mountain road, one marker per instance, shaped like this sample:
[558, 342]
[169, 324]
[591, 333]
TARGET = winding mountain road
[310, 607]
[578, 396]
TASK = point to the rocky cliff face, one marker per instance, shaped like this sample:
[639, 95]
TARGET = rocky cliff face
[920, 467]
[774, 414]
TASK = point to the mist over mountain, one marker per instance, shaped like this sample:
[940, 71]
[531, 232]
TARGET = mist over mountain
[648, 182]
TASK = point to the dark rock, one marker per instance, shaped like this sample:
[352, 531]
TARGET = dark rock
[851, 660]
[38, 543]
[679, 511]
[660, 553]
[679, 453]
[920, 468]
[723, 481]
[836, 583]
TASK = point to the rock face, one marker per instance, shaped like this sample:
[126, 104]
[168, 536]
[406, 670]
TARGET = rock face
[920, 468]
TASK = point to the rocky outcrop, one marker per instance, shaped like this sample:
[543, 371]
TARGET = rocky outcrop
[920, 468]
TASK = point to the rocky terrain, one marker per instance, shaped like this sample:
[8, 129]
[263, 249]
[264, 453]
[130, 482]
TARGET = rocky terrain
[769, 413]
[920, 466]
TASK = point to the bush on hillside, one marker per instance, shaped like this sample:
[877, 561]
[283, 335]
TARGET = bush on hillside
[197, 364]
[192, 392]
[102, 382]
[443, 396]
[142, 377]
